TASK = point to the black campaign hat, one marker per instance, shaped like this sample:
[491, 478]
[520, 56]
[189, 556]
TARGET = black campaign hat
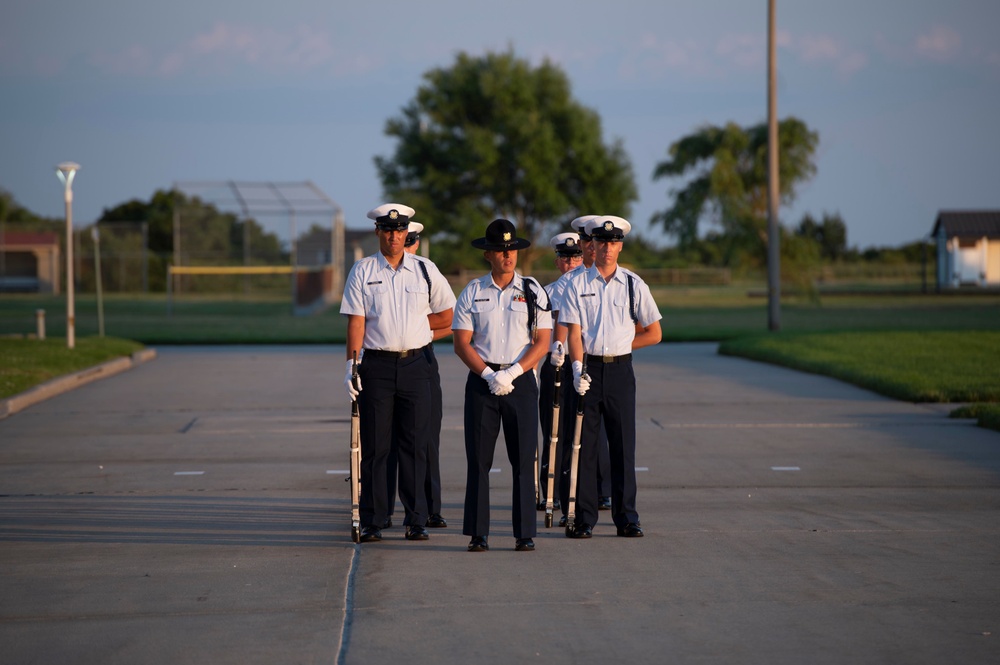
[500, 235]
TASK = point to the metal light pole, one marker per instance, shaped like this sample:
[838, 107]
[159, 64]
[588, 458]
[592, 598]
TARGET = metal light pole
[66, 172]
[773, 236]
[96, 235]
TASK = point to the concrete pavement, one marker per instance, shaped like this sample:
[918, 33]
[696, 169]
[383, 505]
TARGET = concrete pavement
[194, 509]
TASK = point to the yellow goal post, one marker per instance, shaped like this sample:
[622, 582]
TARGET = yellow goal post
[296, 273]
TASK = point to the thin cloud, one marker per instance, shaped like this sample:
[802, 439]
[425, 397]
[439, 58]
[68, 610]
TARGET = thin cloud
[828, 50]
[942, 43]
[736, 52]
[226, 47]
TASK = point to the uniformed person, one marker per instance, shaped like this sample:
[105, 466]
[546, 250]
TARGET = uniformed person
[392, 301]
[432, 486]
[603, 454]
[568, 256]
[609, 312]
[502, 329]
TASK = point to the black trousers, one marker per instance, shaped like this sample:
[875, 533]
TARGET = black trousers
[395, 400]
[432, 486]
[612, 397]
[484, 415]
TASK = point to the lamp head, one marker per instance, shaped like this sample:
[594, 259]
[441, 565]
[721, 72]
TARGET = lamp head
[66, 171]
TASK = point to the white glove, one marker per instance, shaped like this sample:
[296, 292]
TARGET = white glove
[502, 383]
[489, 376]
[557, 354]
[581, 382]
[352, 391]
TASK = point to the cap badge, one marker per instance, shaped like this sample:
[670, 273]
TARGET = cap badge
[393, 214]
[506, 237]
[609, 225]
[570, 242]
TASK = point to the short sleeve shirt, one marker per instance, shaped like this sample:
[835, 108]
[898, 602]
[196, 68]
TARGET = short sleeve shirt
[396, 303]
[556, 289]
[498, 318]
[601, 309]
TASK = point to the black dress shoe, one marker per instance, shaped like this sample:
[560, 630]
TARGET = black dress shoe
[562, 521]
[525, 545]
[540, 505]
[435, 521]
[478, 544]
[387, 524]
[416, 533]
[630, 530]
[370, 534]
[556, 504]
[604, 503]
[581, 531]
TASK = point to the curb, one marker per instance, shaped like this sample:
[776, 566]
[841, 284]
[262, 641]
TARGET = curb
[62, 384]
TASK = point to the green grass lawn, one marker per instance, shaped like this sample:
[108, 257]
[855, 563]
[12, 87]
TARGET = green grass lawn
[915, 366]
[190, 320]
[689, 314]
[28, 362]
[943, 366]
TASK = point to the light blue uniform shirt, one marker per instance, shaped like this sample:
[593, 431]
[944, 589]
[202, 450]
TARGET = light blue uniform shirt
[395, 303]
[498, 318]
[602, 310]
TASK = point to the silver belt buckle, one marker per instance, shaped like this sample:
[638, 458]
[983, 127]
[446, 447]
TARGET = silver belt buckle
[608, 359]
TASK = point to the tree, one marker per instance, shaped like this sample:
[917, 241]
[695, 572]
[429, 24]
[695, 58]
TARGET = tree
[727, 171]
[210, 236]
[492, 137]
[830, 234]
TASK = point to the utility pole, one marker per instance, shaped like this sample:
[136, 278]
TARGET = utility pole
[773, 236]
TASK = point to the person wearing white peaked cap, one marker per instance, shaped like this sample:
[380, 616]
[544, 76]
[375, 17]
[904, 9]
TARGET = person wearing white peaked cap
[393, 301]
[609, 312]
[413, 231]
[568, 255]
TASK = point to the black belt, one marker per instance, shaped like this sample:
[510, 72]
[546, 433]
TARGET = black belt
[379, 353]
[609, 359]
[496, 367]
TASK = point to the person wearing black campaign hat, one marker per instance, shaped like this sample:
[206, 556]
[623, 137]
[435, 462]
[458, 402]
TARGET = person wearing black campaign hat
[393, 301]
[502, 329]
[608, 312]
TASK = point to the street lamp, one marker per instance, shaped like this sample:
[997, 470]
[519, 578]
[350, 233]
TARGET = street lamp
[66, 171]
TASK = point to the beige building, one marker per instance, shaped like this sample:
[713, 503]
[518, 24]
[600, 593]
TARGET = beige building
[29, 262]
[968, 248]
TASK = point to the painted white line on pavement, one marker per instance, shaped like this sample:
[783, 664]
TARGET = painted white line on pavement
[341, 472]
[494, 470]
[785, 468]
[189, 473]
[642, 468]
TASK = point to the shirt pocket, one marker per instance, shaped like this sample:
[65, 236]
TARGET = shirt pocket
[621, 313]
[417, 294]
[483, 306]
[590, 309]
[378, 294]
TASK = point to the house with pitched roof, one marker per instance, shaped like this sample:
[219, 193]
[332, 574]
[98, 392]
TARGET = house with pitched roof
[968, 248]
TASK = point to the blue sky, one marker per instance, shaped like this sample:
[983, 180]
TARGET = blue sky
[904, 93]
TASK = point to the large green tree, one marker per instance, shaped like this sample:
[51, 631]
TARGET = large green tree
[724, 172]
[493, 136]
